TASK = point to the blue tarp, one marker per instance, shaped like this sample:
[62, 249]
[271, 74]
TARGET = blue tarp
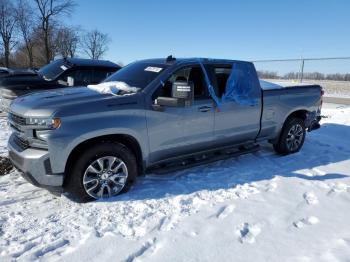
[242, 86]
[210, 87]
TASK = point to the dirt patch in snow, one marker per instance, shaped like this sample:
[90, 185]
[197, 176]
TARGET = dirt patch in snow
[5, 166]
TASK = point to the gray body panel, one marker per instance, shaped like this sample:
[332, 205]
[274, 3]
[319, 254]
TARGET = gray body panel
[278, 104]
[86, 114]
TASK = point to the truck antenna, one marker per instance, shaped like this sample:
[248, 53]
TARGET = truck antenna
[170, 59]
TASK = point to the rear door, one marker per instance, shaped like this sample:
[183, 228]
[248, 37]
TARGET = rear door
[174, 131]
[238, 116]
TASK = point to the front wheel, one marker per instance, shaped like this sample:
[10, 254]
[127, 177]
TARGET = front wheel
[292, 137]
[103, 171]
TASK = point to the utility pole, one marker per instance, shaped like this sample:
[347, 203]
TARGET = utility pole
[301, 70]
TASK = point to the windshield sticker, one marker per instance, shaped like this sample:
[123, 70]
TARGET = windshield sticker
[153, 69]
[64, 68]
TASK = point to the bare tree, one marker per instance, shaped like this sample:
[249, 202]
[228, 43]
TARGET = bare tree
[26, 26]
[67, 41]
[7, 28]
[95, 44]
[48, 11]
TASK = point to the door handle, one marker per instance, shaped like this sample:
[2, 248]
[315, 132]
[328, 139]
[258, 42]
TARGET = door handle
[204, 109]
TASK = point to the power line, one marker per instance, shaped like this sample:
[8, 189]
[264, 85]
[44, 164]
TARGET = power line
[299, 59]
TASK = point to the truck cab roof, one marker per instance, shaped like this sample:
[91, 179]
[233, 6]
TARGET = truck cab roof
[89, 62]
[172, 60]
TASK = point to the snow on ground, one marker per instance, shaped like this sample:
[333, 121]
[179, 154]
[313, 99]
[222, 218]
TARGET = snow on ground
[257, 207]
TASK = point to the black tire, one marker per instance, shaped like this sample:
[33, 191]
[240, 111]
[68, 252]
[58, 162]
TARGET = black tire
[74, 181]
[283, 144]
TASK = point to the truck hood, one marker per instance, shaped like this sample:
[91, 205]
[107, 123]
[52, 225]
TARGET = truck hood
[22, 72]
[47, 102]
[20, 83]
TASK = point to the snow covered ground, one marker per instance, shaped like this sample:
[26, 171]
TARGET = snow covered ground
[257, 207]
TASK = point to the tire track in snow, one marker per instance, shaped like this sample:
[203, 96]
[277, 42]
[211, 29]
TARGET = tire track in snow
[147, 249]
[225, 211]
[306, 222]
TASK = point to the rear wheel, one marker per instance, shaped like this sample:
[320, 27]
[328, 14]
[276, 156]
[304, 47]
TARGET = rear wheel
[292, 137]
[103, 171]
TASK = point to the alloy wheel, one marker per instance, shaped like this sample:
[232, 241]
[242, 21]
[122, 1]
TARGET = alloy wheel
[105, 177]
[295, 137]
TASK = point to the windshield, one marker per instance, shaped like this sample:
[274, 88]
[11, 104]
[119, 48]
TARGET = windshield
[138, 74]
[54, 69]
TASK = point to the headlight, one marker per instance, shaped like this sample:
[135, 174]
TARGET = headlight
[43, 122]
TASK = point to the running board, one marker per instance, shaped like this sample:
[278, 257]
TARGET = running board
[200, 159]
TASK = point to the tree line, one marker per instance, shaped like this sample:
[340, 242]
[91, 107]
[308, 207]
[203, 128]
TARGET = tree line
[310, 75]
[32, 34]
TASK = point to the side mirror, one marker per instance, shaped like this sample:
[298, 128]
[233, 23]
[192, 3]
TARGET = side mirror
[70, 81]
[182, 94]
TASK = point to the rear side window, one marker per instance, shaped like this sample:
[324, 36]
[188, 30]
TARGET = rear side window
[222, 74]
[237, 82]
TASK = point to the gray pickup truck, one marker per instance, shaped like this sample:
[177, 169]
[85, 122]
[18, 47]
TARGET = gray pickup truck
[154, 114]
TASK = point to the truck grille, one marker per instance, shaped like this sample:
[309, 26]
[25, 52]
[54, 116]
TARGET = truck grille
[17, 119]
[23, 144]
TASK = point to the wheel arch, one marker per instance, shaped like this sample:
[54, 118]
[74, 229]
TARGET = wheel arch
[127, 140]
[299, 113]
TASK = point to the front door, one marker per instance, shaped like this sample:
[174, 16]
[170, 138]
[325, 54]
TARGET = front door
[175, 131]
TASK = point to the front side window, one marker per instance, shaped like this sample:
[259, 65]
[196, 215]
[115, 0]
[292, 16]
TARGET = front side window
[187, 74]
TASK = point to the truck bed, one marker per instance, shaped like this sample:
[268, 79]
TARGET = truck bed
[271, 85]
[281, 99]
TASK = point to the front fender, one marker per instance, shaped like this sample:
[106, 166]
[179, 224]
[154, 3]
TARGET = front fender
[74, 131]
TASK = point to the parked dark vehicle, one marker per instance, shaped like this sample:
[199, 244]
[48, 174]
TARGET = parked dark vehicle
[60, 73]
[4, 71]
[154, 115]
